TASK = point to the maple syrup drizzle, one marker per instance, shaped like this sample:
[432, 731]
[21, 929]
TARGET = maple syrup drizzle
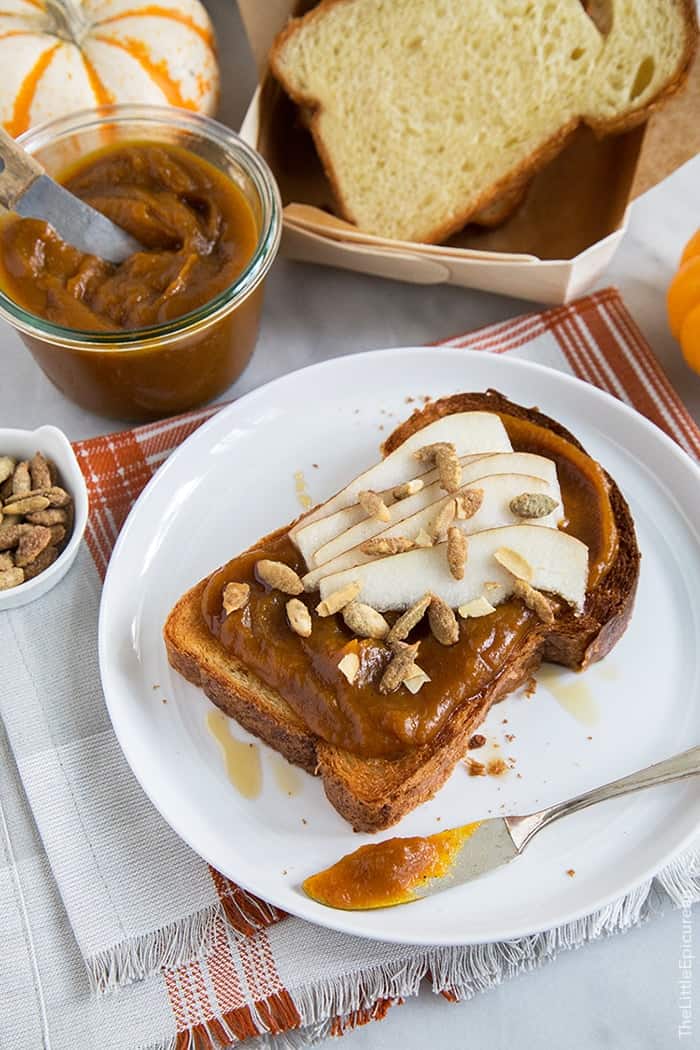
[574, 695]
[287, 778]
[241, 759]
[301, 491]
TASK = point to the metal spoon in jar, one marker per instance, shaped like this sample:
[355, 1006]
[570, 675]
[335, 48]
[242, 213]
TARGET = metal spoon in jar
[25, 188]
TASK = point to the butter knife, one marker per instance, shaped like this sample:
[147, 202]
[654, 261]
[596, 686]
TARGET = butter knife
[25, 188]
[475, 849]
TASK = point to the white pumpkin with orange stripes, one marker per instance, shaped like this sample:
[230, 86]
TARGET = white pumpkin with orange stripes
[59, 56]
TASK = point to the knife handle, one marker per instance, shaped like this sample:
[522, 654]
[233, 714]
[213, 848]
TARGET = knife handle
[18, 170]
[687, 764]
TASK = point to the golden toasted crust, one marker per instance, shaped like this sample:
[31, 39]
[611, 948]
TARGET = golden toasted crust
[509, 188]
[375, 793]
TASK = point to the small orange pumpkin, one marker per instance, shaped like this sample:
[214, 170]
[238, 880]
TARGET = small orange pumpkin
[683, 302]
[59, 56]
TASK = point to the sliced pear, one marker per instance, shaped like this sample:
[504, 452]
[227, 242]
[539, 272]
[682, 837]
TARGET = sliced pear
[559, 565]
[470, 432]
[310, 538]
[494, 512]
[431, 475]
[407, 509]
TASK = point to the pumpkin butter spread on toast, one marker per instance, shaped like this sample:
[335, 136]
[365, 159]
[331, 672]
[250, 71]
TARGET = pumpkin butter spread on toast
[367, 640]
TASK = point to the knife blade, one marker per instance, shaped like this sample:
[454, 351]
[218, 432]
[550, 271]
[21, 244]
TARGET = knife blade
[487, 847]
[25, 188]
[75, 221]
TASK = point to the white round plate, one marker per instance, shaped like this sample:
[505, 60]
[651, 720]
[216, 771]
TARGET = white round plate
[236, 479]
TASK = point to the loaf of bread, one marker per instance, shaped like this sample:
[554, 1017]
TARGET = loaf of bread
[426, 112]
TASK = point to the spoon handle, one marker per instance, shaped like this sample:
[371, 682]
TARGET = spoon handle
[687, 764]
[18, 170]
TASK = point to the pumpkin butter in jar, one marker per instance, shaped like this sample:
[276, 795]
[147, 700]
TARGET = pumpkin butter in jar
[196, 227]
[174, 324]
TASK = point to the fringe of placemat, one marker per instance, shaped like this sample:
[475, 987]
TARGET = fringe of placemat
[681, 879]
[180, 942]
[461, 973]
[165, 948]
[246, 913]
[336, 1005]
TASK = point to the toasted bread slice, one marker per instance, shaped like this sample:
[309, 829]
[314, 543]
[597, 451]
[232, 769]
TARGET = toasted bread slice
[425, 114]
[374, 793]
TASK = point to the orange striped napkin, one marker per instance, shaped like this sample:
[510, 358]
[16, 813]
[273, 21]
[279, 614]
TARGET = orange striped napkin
[251, 970]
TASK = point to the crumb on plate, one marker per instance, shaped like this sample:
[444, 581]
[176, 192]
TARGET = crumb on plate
[497, 767]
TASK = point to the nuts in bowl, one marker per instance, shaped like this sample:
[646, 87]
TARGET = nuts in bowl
[36, 518]
[43, 512]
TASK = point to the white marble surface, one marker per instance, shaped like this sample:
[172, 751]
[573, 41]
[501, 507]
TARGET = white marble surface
[622, 993]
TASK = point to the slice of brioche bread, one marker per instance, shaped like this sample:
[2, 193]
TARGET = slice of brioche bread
[500, 209]
[374, 793]
[424, 112]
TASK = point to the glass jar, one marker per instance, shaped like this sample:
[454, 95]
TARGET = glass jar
[146, 373]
